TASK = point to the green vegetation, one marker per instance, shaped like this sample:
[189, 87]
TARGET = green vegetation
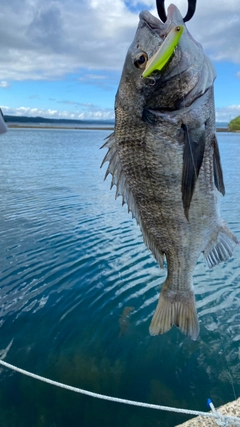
[234, 124]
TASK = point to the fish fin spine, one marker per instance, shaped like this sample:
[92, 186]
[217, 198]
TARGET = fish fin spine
[110, 139]
[118, 177]
[221, 247]
[115, 169]
[176, 310]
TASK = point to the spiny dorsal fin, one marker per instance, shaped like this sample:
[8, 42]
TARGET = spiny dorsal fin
[122, 189]
[217, 168]
[192, 160]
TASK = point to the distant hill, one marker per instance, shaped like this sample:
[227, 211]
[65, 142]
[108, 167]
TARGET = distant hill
[18, 120]
[234, 124]
[42, 120]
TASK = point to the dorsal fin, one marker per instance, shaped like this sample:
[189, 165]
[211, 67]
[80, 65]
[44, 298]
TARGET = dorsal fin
[122, 189]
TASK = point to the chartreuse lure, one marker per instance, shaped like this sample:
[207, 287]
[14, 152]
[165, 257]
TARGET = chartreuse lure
[164, 53]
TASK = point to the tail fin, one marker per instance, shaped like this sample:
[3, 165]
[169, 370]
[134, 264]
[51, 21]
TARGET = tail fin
[177, 311]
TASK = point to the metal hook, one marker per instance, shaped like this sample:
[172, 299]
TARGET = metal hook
[189, 15]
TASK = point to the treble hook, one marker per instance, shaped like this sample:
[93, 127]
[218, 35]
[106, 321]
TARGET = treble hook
[189, 15]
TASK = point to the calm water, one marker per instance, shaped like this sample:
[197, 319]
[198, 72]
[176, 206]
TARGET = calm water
[78, 290]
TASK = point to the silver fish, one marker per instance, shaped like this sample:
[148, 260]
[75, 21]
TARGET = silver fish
[164, 160]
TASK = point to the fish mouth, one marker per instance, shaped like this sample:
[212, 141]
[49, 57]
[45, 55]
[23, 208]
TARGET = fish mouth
[173, 18]
[151, 21]
[154, 24]
[169, 33]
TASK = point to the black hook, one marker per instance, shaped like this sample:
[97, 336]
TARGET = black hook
[189, 15]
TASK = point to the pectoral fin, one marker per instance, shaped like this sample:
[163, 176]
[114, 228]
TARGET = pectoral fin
[192, 160]
[217, 168]
[149, 117]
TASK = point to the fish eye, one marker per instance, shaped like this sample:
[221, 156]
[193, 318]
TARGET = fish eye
[141, 60]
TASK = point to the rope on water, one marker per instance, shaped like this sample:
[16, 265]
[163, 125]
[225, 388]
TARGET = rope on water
[221, 420]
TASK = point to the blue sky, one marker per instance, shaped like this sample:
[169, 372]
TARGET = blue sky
[63, 58]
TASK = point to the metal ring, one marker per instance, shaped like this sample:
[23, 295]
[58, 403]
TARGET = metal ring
[189, 15]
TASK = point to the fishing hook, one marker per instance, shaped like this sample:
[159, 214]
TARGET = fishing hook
[189, 15]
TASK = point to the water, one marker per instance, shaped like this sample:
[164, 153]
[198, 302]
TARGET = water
[78, 290]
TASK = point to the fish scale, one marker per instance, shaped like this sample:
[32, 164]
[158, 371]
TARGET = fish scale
[164, 160]
[146, 192]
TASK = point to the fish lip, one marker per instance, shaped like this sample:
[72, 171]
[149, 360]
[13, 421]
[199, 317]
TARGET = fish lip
[162, 29]
[174, 18]
[153, 24]
[151, 21]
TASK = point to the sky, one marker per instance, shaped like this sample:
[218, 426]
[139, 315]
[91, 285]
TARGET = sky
[64, 58]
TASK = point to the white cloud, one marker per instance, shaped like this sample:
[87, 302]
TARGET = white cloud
[86, 112]
[46, 39]
[4, 84]
[228, 113]
[217, 26]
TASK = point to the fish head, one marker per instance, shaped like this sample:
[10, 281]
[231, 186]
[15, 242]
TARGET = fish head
[186, 75]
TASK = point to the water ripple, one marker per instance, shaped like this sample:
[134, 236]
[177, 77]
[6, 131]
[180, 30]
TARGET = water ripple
[75, 273]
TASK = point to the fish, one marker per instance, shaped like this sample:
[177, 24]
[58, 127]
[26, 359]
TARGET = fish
[124, 320]
[164, 160]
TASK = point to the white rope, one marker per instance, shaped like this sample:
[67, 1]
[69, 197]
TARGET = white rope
[216, 415]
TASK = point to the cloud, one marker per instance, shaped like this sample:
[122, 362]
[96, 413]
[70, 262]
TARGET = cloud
[47, 39]
[85, 112]
[46, 30]
[4, 84]
[105, 81]
[89, 111]
[228, 113]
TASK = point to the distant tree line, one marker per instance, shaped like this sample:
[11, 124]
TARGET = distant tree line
[40, 120]
[234, 124]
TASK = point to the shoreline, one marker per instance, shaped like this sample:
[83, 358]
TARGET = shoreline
[23, 126]
[65, 127]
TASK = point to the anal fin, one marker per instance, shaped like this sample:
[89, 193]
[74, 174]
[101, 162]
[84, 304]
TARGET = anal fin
[221, 247]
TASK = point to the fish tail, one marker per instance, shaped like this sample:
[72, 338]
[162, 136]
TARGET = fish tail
[176, 309]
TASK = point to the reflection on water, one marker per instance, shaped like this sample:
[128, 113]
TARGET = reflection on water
[78, 290]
